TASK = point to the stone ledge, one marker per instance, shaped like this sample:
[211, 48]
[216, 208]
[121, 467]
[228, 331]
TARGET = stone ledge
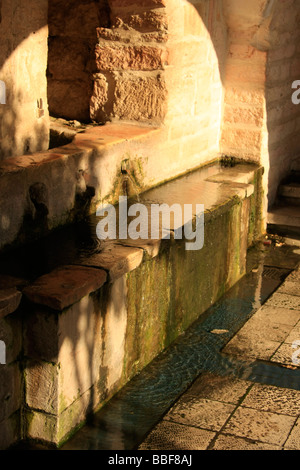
[116, 259]
[99, 136]
[65, 285]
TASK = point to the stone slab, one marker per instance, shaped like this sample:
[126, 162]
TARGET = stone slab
[273, 399]
[294, 437]
[289, 287]
[224, 442]
[116, 259]
[263, 426]
[174, 436]
[287, 216]
[65, 285]
[225, 389]
[281, 300]
[200, 412]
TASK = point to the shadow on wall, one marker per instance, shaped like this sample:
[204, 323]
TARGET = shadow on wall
[21, 134]
[23, 118]
[71, 55]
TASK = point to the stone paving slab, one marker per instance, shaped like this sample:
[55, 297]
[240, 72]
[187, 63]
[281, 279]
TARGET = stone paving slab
[200, 412]
[294, 438]
[273, 399]
[174, 436]
[264, 417]
[226, 442]
[286, 354]
[290, 287]
[263, 426]
[225, 389]
[281, 300]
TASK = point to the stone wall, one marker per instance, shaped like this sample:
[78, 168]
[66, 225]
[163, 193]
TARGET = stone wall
[260, 122]
[11, 382]
[130, 58]
[197, 48]
[24, 120]
[162, 63]
[283, 67]
[71, 62]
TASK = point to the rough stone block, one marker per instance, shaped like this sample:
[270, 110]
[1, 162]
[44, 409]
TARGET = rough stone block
[115, 4]
[128, 36]
[248, 140]
[241, 95]
[99, 98]
[116, 57]
[146, 21]
[252, 116]
[140, 98]
[42, 389]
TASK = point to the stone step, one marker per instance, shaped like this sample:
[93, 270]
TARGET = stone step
[290, 192]
[284, 219]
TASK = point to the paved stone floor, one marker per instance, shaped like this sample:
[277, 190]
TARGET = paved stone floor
[229, 413]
